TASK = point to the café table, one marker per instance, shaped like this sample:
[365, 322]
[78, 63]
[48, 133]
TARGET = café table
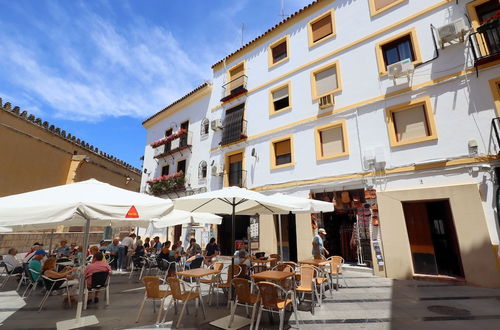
[272, 275]
[262, 263]
[198, 273]
[314, 262]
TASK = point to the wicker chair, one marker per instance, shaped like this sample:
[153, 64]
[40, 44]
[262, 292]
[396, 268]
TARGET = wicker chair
[226, 286]
[307, 283]
[336, 263]
[244, 297]
[270, 301]
[153, 292]
[186, 296]
[213, 280]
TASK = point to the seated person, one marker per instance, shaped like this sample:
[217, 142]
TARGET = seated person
[73, 250]
[163, 256]
[92, 251]
[112, 250]
[139, 250]
[180, 248]
[48, 270]
[103, 245]
[175, 253]
[14, 266]
[241, 257]
[147, 245]
[35, 247]
[211, 250]
[35, 265]
[193, 252]
[63, 250]
[97, 265]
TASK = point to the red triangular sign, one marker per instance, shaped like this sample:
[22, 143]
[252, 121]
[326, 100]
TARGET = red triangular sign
[132, 213]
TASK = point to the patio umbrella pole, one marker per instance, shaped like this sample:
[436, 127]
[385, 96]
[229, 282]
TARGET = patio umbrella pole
[81, 282]
[281, 236]
[233, 221]
[50, 241]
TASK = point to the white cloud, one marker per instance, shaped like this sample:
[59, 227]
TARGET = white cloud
[101, 69]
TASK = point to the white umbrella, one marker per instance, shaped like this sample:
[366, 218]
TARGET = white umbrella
[88, 202]
[180, 217]
[303, 205]
[5, 230]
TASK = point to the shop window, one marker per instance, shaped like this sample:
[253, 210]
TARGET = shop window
[325, 81]
[165, 170]
[282, 152]
[379, 6]
[412, 122]
[278, 51]
[321, 28]
[280, 99]
[399, 47]
[331, 141]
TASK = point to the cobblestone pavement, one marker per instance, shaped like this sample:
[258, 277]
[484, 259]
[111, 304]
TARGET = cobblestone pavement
[368, 303]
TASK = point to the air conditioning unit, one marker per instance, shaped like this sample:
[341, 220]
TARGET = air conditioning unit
[452, 31]
[399, 69]
[326, 101]
[216, 124]
[217, 170]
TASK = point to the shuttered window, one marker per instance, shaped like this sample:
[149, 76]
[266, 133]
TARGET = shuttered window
[326, 81]
[281, 99]
[283, 152]
[236, 77]
[380, 4]
[322, 28]
[332, 141]
[410, 123]
[279, 52]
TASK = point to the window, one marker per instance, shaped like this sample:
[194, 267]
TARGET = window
[379, 6]
[168, 145]
[184, 139]
[488, 40]
[165, 169]
[282, 152]
[202, 170]
[235, 173]
[321, 28]
[181, 166]
[279, 98]
[236, 78]
[495, 90]
[234, 125]
[325, 81]
[331, 141]
[398, 48]
[411, 122]
[278, 51]
[205, 126]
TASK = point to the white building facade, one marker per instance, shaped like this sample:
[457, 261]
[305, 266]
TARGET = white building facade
[385, 108]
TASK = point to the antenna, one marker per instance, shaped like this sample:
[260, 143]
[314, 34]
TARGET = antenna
[282, 12]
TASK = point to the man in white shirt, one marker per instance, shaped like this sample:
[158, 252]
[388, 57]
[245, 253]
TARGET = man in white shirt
[14, 266]
[318, 250]
[126, 245]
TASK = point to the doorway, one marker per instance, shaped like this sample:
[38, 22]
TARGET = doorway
[289, 233]
[242, 222]
[433, 239]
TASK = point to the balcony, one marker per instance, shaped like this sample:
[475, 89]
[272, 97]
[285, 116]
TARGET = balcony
[234, 130]
[235, 179]
[167, 184]
[485, 42]
[179, 143]
[234, 88]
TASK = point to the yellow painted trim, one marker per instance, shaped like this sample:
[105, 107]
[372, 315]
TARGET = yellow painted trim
[429, 117]
[495, 90]
[270, 62]
[317, 138]
[360, 104]
[471, 10]
[335, 64]
[226, 164]
[344, 48]
[374, 11]
[273, 153]
[179, 106]
[382, 68]
[273, 112]
[177, 164]
[330, 12]
[403, 169]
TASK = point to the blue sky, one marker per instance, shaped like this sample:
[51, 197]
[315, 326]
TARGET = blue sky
[99, 68]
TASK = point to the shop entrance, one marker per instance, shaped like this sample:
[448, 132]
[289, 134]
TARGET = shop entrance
[289, 232]
[242, 222]
[433, 239]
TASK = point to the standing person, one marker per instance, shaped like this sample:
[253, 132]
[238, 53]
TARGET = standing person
[112, 250]
[96, 266]
[35, 264]
[318, 250]
[14, 266]
[63, 250]
[126, 245]
[156, 245]
[211, 250]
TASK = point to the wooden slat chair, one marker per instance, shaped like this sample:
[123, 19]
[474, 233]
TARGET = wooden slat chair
[322, 279]
[287, 284]
[186, 296]
[226, 286]
[153, 292]
[270, 301]
[307, 284]
[335, 269]
[213, 280]
[244, 297]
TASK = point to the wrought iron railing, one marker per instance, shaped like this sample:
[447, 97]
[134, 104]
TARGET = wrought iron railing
[495, 124]
[234, 88]
[235, 129]
[485, 42]
[181, 143]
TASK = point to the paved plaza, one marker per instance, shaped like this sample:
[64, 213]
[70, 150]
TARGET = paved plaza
[368, 303]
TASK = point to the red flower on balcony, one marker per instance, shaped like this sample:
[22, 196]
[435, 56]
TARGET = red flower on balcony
[180, 133]
[167, 183]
